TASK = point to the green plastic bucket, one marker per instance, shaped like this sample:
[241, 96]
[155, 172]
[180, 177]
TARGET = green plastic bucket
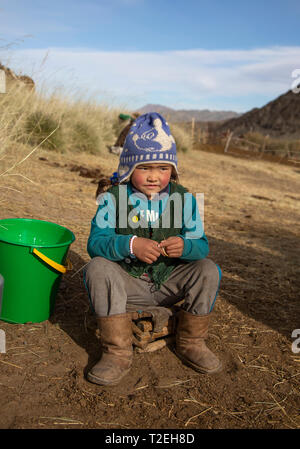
[33, 254]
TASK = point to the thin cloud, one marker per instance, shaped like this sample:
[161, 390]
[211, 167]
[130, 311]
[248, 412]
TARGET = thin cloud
[189, 77]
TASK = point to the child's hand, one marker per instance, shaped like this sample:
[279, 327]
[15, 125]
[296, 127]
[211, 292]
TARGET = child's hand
[173, 246]
[145, 249]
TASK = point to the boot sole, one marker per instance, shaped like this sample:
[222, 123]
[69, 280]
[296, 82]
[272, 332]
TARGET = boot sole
[197, 367]
[97, 380]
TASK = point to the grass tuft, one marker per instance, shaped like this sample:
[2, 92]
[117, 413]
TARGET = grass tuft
[39, 125]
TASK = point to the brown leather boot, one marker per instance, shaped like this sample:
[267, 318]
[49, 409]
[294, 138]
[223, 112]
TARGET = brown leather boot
[117, 352]
[190, 345]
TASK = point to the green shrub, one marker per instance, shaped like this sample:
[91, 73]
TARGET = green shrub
[39, 126]
[256, 137]
[85, 138]
[182, 138]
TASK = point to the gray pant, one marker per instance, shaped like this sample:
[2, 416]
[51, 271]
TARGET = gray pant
[111, 288]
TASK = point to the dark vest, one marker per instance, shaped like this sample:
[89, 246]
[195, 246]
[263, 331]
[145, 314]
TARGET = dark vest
[160, 270]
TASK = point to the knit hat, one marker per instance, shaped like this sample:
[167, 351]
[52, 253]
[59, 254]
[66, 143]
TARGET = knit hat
[149, 140]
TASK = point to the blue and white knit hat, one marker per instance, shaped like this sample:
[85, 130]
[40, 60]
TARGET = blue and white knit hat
[149, 140]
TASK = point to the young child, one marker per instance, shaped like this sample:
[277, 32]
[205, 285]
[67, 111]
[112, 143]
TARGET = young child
[118, 146]
[148, 248]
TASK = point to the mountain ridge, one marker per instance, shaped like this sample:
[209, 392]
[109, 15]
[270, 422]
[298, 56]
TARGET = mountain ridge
[186, 115]
[278, 118]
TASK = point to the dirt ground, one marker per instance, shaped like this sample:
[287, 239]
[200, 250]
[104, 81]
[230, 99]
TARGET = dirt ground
[252, 221]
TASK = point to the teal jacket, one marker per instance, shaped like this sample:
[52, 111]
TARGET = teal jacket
[107, 239]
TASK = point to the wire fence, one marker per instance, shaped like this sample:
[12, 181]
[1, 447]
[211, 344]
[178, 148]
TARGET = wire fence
[288, 149]
[251, 142]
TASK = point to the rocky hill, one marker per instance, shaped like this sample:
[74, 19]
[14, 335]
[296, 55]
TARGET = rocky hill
[12, 78]
[183, 115]
[278, 118]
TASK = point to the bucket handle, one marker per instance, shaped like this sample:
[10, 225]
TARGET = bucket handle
[61, 268]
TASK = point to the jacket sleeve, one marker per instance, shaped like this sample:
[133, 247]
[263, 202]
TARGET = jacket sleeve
[195, 241]
[103, 240]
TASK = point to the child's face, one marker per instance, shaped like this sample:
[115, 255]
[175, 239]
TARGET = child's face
[151, 178]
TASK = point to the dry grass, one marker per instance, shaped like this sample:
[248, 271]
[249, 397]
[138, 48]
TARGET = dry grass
[28, 117]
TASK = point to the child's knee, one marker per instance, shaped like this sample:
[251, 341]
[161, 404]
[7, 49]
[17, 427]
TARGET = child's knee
[97, 265]
[208, 269]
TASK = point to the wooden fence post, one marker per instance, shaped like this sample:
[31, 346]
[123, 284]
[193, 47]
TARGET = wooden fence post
[264, 143]
[193, 132]
[228, 142]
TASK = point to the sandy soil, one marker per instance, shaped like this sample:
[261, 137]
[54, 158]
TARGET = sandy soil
[252, 222]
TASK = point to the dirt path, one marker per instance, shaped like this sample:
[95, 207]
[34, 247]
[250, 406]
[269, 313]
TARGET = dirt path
[252, 221]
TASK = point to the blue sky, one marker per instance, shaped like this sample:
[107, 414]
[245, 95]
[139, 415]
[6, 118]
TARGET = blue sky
[192, 54]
